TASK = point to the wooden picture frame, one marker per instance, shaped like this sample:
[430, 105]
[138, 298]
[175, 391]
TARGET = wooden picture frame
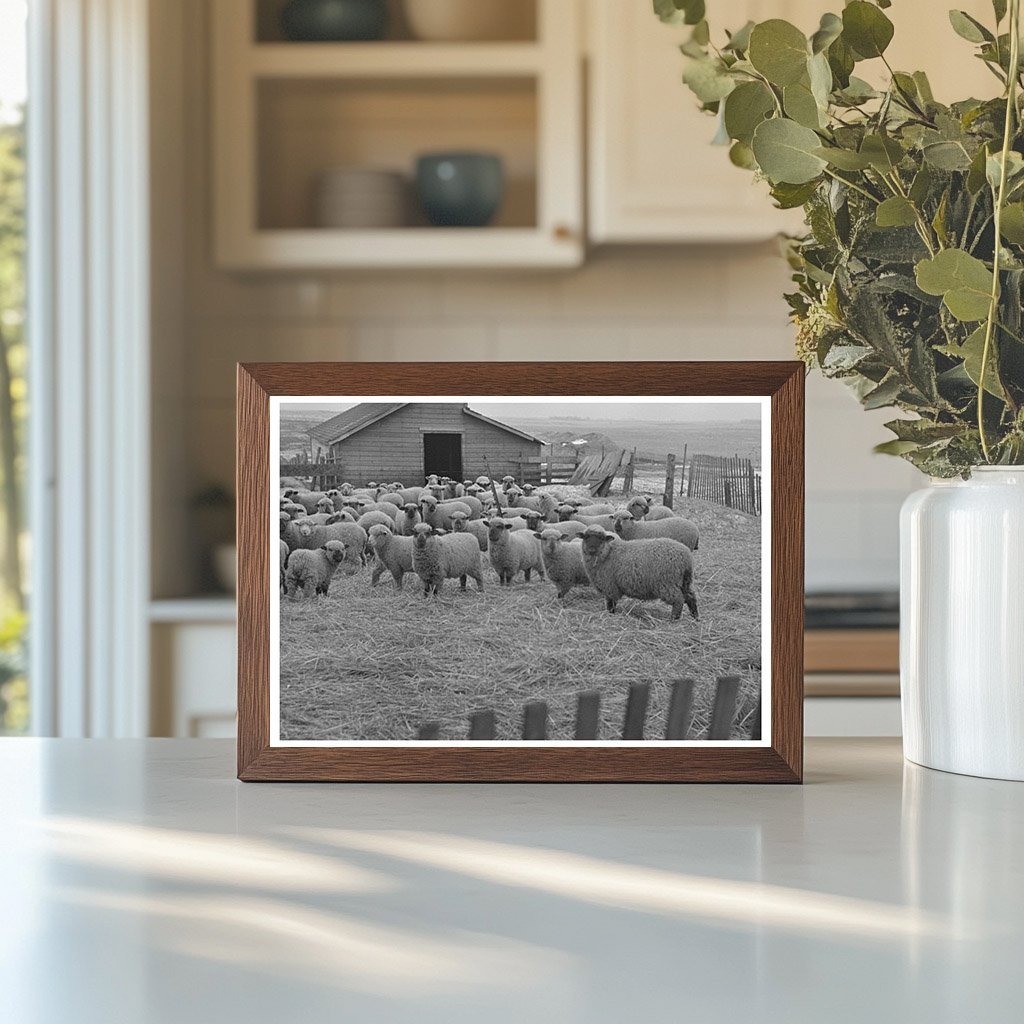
[779, 758]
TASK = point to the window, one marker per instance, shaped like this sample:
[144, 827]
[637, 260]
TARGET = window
[14, 705]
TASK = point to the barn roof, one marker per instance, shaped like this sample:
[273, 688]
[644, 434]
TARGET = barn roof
[351, 421]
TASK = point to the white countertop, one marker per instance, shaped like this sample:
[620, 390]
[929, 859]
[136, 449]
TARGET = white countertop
[143, 885]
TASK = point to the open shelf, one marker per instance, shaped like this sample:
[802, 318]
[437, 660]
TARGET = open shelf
[286, 114]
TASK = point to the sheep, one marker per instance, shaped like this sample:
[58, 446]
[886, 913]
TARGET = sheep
[351, 535]
[607, 522]
[563, 560]
[393, 553]
[476, 506]
[290, 531]
[649, 570]
[595, 510]
[543, 503]
[511, 552]
[461, 523]
[326, 504]
[677, 528]
[641, 508]
[571, 529]
[308, 499]
[313, 568]
[362, 507]
[390, 498]
[507, 483]
[319, 518]
[408, 516]
[293, 509]
[438, 514]
[368, 519]
[344, 516]
[284, 562]
[436, 558]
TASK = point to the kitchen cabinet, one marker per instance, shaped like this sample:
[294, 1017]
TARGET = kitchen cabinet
[286, 113]
[653, 175]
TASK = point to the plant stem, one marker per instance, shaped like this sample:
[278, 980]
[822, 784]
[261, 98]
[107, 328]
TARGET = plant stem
[993, 309]
[855, 187]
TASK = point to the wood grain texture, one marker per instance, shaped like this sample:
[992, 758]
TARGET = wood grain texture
[782, 762]
[852, 650]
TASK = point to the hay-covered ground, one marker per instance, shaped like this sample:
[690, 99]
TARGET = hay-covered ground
[375, 663]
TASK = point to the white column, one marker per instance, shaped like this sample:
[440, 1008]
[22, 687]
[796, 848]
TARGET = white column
[88, 321]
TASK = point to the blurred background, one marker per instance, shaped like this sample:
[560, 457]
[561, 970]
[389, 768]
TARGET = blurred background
[361, 180]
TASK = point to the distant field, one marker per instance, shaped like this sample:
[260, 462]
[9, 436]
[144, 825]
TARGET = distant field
[741, 438]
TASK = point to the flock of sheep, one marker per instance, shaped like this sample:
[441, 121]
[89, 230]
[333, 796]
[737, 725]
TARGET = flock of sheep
[442, 530]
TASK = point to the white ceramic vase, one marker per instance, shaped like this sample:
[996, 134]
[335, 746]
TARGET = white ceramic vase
[962, 624]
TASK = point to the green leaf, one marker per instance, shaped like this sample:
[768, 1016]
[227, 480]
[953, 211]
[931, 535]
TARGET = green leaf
[1012, 225]
[947, 156]
[895, 447]
[829, 30]
[745, 108]
[999, 7]
[800, 105]
[976, 173]
[708, 80]
[820, 76]
[1014, 169]
[844, 159]
[924, 87]
[789, 197]
[923, 431]
[675, 12]
[882, 153]
[896, 212]
[971, 352]
[739, 41]
[785, 152]
[885, 394]
[963, 281]
[968, 28]
[741, 155]
[841, 60]
[921, 185]
[778, 50]
[701, 33]
[866, 29]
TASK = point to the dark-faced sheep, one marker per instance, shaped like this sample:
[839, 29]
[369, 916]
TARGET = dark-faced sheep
[676, 528]
[563, 560]
[512, 552]
[392, 553]
[408, 516]
[310, 572]
[660, 569]
[640, 507]
[437, 558]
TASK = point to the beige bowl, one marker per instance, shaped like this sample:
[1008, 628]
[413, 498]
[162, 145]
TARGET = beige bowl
[471, 20]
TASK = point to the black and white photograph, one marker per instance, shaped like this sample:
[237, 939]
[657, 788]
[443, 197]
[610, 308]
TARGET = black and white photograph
[562, 570]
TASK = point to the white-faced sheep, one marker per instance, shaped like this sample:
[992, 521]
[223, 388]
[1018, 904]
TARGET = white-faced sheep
[293, 509]
[309, 499]
[350, 534]
[384, 507]
[344, 516]
[677, 528]
[392, 553]
[310, 572]
[461, 523]
[375, 518]
[512, 552]
[660, 569]
[438, 514]
[563, 561]
[571, 528]
[567, 514]
[436, 558]
[284, 562]
[320, 518]
[545, 504]
[641, 508]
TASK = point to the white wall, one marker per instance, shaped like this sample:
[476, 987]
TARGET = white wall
[655, 303]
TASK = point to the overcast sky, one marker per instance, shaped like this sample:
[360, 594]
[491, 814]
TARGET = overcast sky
[661, 412]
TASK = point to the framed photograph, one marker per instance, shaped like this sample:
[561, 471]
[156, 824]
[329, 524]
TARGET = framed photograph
[516, 572]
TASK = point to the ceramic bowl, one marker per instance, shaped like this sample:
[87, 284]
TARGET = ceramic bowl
[460, 189]
[334, 20]
[471, 20]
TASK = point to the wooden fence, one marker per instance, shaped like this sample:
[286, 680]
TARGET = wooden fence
[323, 473]
[483, 725]
[729, 481]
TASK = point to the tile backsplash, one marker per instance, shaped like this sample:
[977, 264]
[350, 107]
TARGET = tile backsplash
[719, 302]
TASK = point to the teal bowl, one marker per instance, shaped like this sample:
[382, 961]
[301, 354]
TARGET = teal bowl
[334, 21]
[460, 190]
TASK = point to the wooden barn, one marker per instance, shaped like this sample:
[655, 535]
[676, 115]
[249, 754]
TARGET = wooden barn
[408, 441]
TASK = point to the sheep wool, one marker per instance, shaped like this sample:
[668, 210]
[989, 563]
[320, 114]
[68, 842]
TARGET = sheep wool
[351, 535]
[375, 518]
[310, 572]
[436, 558]
[563, 560]
[659, 569]
[676, 527]
[461, 523]
[512, 552]
[392, 553]
[284, 562]
[408, 516]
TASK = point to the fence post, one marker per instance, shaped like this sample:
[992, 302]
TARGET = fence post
[679, 709]
[535, 720]
[636, 711]
[670, 480]
[588, 707]
[682, 471]
[483, 725]
[728, 493]
[724, 709]
[627, 483]
[429, 731]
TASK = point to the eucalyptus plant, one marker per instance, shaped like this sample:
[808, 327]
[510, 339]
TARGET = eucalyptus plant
[909, 280]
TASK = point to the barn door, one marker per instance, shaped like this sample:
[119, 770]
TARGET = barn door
[442, 454]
